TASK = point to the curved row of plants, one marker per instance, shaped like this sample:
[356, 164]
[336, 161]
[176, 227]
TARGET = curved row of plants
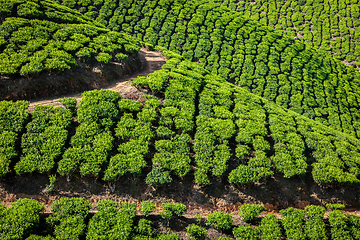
[254, 56]
[332, 26]
[70, 219]
[199, 122]
[43, 36]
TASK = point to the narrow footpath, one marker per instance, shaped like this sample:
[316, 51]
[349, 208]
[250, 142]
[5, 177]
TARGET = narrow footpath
[151, 61]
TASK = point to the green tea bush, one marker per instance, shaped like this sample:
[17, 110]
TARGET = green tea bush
[248, 212]
[13, 117]
[293, 223]
[147, 207]
[243, 232]
[144, 227]
[110, 222]
[335, 206]
[339, 225]
[69, 103]
[195, 232]
[45, 139]
[270, 228]
[175, 208]
[220, 220]
[19, 220]
[314, 226]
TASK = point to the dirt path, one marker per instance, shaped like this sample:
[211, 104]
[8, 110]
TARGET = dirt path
[151, 62]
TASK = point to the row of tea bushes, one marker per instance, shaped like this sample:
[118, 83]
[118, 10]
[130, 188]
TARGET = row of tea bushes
[70, 219]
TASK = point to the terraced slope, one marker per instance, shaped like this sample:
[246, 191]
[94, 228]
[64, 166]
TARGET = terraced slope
[203, 123]
[234, 125]
[195, 119]
[266, 61]
[332, 26]
[43, 36]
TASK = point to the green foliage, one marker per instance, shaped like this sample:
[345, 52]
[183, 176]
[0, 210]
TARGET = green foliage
[51, 185]
[269, 138]
[92, 141]
[13, 117]
[354, 223]
[70, 228]
[166, 214]
[213, 132]
[339, 225]
[168, 236]
[129, 208]
[245, 232]
[173, 154]
[99, 106]
[7, 150]
[129, 105]
[69, 103]
[144, 227]
[90, 148]
[248, 212]
[67, 207]
[229, 39]
[29, 9]
[19, 220]
[45, 139]
[40, 36]
[220, 220]
[155, 81]
[136, 135]
[110, 222]
[175, 208]
[293, 223]
[36, 237]
[334, 206]
[164, 132]
[158, 177]
[271, 132]
[68, 218]
[242, 175]
[314, 226]
[121, 164]
[147, 207]
[103, 57]
[195, 232]
[269, 228]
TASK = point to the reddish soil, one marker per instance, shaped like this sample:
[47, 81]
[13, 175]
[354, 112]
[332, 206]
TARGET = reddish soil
[276, 192]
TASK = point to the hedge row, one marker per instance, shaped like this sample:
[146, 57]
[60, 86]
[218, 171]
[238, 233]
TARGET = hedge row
[135, 131]
[13, 117]
[70, 219]
[44, 140]
[93, 140]
[214, 129]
